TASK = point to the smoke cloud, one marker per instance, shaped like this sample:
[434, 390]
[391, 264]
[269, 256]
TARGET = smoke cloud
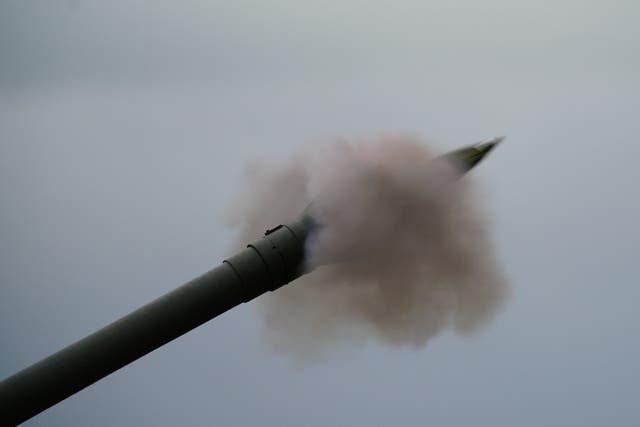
[402, 251]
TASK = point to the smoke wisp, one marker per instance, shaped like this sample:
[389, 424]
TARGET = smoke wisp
[402, 251]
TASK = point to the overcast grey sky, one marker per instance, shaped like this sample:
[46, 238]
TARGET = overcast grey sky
[125, 128]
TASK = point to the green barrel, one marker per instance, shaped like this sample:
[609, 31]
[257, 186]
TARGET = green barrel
[263, 266]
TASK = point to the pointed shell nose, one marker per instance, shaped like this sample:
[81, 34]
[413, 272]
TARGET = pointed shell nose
[466, 158]
[489, 144]
[486, 146]
[497, 140]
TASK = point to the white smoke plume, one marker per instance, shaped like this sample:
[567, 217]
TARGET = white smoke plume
[403, 251]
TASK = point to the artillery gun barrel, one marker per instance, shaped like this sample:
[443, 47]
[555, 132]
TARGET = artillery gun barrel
[263, 266]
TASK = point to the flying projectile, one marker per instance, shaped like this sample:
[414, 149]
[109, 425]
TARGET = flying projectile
[467, 157]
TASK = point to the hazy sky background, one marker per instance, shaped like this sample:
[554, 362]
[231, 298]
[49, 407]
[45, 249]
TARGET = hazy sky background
[125, 130]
